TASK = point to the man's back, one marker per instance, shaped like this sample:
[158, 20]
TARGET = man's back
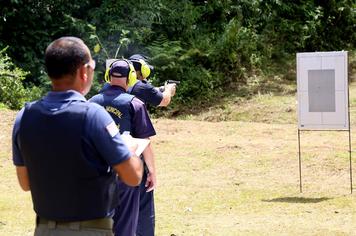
[128, 112]
[51, 135]
[131, 115]
[47, 163]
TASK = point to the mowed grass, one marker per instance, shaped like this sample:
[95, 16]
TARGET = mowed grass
[239, 178]
[230, 177]
[16, 215]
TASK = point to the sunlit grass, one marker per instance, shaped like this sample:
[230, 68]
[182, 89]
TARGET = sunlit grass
[230, 178]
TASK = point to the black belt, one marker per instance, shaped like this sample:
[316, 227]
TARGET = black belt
[102, 223]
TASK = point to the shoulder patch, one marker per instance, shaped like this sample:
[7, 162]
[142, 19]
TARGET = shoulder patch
[112, 129]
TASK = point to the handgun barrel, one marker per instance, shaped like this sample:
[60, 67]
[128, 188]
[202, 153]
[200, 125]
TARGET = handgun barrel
[173, 82]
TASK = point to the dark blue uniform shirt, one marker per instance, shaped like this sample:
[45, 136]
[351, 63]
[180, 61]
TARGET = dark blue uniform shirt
[141, 125]
[101, 143]
[131, 115]
[146, 93]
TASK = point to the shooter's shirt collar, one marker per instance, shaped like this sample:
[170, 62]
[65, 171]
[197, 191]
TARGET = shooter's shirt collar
[118, 88]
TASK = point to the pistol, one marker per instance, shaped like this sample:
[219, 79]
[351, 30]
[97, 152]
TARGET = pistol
[161, 88]
[173, 82]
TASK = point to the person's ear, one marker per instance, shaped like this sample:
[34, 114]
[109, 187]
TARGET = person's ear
[81, 79]
[83, 73]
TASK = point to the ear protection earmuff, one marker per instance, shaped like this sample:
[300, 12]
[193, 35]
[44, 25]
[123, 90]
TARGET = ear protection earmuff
[145, 68]
[132, 77]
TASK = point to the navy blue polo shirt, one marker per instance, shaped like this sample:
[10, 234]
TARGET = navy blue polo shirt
[146, 92]
[101, 144]
[141, 125]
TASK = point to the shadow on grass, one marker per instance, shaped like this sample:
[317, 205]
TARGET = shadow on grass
[297, 199]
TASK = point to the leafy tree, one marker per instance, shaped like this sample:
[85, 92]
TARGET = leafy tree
[29, 26]
[208, 45]
[12, 92]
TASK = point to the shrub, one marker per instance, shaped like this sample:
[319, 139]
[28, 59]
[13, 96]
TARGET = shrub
[12, 92]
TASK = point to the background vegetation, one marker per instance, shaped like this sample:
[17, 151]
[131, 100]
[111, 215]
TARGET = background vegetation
[242, 177]
[213, 47]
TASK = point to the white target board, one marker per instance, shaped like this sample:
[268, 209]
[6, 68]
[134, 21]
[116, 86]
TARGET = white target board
[108, 62]
[322, 91]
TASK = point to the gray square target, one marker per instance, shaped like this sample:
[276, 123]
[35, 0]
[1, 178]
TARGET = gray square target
[321, 90]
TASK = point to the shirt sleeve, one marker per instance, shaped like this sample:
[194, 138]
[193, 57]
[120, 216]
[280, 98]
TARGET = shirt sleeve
[105, 136]
[149, 94]
[95, 99]
[141, 123]
[16, 154]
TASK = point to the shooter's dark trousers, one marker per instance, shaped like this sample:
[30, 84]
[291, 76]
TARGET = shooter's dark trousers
[126, 214]
[146, 217]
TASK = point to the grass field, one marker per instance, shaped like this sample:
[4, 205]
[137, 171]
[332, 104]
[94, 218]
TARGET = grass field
[230, 177]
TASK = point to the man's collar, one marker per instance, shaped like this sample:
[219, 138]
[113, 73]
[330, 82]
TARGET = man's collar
[68, 95]
[117, 87]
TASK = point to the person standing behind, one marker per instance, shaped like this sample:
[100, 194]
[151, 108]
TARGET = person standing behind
[153, 96]
[68, 151]
[130, 115]
[146, 91]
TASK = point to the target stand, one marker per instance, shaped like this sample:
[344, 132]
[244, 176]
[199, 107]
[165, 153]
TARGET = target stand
[323, 96]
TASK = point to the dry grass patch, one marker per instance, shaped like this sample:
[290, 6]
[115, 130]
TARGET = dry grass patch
[231, 177]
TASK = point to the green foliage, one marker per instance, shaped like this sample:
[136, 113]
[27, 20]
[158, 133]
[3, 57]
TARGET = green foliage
[210, 46]
[29, 26]
[12, 92]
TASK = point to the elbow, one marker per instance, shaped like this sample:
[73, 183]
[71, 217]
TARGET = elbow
[25, 188]
[136, 179]
[131, 173]
[138, 175]
[22, 176]
[134, 182]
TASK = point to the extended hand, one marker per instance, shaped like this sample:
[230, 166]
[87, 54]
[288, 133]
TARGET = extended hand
[151, 182]
[171, 88]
